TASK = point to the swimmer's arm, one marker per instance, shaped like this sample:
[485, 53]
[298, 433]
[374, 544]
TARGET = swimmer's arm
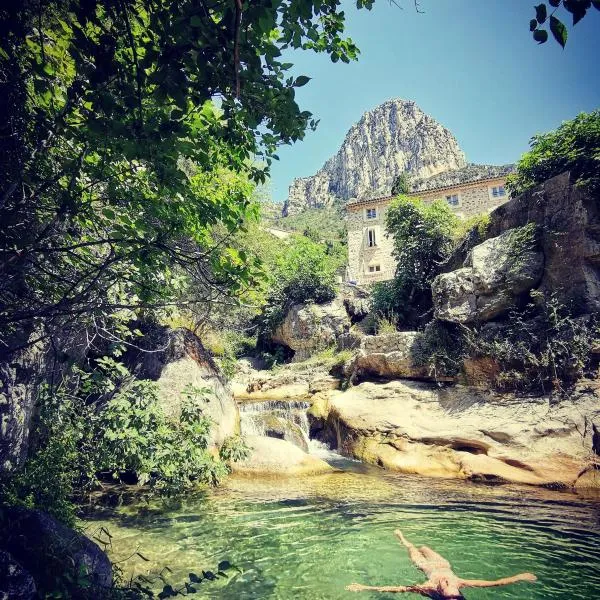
[416, 589]
[497, 582]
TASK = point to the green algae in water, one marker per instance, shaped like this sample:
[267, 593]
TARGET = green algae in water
[307, 539]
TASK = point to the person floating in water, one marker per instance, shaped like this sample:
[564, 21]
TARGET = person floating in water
[442, 583]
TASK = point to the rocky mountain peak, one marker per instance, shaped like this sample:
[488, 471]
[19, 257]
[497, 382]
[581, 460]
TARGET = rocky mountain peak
[395, 137]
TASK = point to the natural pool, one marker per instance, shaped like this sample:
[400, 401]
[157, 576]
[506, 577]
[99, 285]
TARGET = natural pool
[306, 539]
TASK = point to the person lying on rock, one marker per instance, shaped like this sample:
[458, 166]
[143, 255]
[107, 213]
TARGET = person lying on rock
[442, 583]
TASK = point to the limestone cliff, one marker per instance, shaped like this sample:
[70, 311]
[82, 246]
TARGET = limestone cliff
[393, 138]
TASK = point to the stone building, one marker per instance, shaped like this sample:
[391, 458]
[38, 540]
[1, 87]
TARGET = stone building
[472, 190]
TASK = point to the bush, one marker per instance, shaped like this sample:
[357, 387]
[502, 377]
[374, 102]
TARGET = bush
[440, 348]
[538, 349]
[302, 273]
[102, 424]
[423, 236]
[574, 147]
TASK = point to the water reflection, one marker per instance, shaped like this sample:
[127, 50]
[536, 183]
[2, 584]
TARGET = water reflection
[308, 538]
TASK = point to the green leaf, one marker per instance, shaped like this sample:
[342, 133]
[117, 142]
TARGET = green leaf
[559, 31]
[533, 25]
[540, 36]
[300, 81]
[541, 13]
[196, 21]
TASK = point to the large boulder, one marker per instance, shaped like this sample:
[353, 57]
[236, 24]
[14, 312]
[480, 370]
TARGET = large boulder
[392, 356]
[567, 220]
[308, 328]
[15, 582]
[48, 550]
[496, 274]
[176, 360]
[278, 458]
[458, 432]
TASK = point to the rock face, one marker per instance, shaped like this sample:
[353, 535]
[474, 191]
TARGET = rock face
[176, 359]
[311, 327]
[462, 433]
[391, 356]
[567, 219]
[15, 582]
[278, 458]
[44, 548]
[391, 139]
[495, 275]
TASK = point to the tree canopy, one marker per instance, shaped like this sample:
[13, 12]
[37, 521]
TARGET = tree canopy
[574, 147]
[131, 140]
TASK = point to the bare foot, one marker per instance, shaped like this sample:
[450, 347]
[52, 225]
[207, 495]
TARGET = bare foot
[528, 577]
[356, 587]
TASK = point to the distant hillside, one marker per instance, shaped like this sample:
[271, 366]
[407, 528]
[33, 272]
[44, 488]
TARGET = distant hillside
[325, 224]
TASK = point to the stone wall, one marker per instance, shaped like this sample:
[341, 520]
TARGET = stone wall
[474, 198]
[360, 256]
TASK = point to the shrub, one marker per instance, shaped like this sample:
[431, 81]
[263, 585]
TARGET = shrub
[440, 348]
[302, 273]
[574, 147]
[423, 237]
[102, 424]
[538, 349]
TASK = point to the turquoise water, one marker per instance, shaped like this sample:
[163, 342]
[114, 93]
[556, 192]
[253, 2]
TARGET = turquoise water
[306, 539]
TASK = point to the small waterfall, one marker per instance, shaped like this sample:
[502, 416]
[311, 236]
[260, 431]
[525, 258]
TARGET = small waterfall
[277, 418]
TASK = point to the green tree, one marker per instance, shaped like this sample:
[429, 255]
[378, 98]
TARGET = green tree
[302, 272]
[423, 236]
[130, 134]
[401, 184]
[574, 147]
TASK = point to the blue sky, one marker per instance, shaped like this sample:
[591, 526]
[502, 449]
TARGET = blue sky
[470, 64]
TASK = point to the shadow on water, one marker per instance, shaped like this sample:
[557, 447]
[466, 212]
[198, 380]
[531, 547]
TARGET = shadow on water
[307, 538]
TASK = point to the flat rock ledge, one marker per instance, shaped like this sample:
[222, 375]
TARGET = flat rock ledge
[464, 433]
[272, 457]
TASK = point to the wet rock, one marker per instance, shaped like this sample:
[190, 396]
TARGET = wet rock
[278, 458]
[461, 432]
[47, 548]
[15, 582]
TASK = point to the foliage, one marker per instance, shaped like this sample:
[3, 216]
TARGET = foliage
[130, 134]
[440, 347]
[577, 8]
[574, 147]
[326, 224]
[539, 349]
[48, 477]
[476, 224]
[422, 236]
[401, 184]
[385, 325]
[234, 449]
[227, 346]
[303, 272]
[101, 424]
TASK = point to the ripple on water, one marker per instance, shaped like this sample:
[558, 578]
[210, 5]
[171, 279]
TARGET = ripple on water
[307, 539]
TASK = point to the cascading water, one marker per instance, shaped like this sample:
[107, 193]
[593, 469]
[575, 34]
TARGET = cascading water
[284, 419]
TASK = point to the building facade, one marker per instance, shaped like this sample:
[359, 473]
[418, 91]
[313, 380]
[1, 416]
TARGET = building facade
[369, 248]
